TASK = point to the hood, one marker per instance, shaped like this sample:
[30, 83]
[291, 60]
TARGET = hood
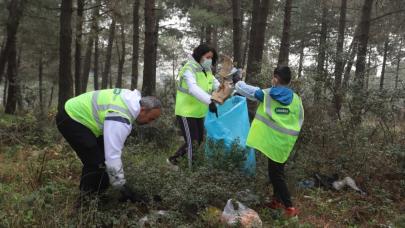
[282, 94]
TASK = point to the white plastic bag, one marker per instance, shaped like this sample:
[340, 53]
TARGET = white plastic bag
[242, 215]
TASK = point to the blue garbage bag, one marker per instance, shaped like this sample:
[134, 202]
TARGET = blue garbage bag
[231, 124]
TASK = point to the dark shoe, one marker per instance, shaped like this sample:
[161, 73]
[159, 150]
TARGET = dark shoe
[173, 164]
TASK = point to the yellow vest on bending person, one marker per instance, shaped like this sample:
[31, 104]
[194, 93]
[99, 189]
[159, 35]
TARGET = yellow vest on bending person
[186, 104]
[91, 108]
[276, 127]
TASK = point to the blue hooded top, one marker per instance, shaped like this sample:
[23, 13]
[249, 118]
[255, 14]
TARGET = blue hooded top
[282, 94]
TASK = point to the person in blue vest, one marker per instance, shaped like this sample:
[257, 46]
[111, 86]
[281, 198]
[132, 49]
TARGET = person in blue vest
[275, 129]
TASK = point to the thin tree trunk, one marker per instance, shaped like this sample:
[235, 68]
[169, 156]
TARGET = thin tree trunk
[397, 71]
[121, 58]
[20, 85]
[89, 48]
[107, 66]
[149, 70]
[96, 58]
[65, 61]
[135, 45]
[202, 29]
[40, 87]
[78, 47]
[3, 61]
[5, 92]
[384, 63]
[359, 95]
[246, 42]
[368, 69]
[285, 39]
[208, 34]
[215, 38]
[237, 32]
[15, 8]
[320, 71]
[301, 60]
[339, 64]
[256, 44]
[51, 96]
[350, 62]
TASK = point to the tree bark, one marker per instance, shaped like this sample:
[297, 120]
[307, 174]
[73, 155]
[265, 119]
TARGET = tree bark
[368, 68]
[3, 61]
[107, 66]
[339, 62]
[121, 58]
[246, 42]
[320, 70]
[15, 8]
[149, 70]
[350, 62]
[89, 48]
[96, 58]
[384, 63]
[135, 45]
[5, 92]
[256, 43]
[301, 59]
[397, 70]
[285, 39]
[65, 58]
[40, 86]
[208, 34]
[78, 47]
[237, 32]
[359, 95]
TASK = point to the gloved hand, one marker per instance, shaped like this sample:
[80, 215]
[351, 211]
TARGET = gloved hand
[213, 108]
[128, 194]
[237, 76]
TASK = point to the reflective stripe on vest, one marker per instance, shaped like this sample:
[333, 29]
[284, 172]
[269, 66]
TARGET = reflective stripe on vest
[97, 108]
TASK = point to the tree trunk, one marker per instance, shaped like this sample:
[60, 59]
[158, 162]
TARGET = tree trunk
[51, 96]
[359, 95]
[384, 63]
[40, 87]
[20, 85]
[397, 71]
[135, 45]
[96, 58]
[65, 58]
[256, 43]
[149, 70]
[301, 60]
[350, 62]
[320, 70]
[285, 39]
[208, 34]
[246, 42]
[202, 29]
[5, 92]
[368, 68]
[15, 8]
[121, 58]
[107, 66]
[339, 63]
[78, 47]
[89, 48]
[3, 61]
[237, 32]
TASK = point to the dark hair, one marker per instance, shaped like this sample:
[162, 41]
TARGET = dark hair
[201, 50]
[284, 74]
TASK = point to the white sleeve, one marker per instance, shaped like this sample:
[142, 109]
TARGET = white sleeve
[246, 90]
[194, 89]
[115, 133]
[215, 85]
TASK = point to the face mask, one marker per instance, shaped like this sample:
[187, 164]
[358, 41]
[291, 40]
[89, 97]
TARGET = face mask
[206, 64]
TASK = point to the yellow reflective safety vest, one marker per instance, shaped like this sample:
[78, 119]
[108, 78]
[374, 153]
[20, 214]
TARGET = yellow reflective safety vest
[186, 104]
[91, 108]
[276, 127]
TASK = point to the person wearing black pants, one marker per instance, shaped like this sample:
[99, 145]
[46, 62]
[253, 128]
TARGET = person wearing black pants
[280, 190]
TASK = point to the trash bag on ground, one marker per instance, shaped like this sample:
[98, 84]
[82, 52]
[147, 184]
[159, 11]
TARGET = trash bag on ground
[237, 214]
[231, 125]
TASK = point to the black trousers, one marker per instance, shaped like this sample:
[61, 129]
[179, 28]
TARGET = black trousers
[277, 179]
[193, 131]
[89, 149]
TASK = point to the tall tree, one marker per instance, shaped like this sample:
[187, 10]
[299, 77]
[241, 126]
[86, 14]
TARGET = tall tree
[320, 69]
[3, 61]
[359, 95]
[65, 56]
[285, 39]
[15, 8]
[135, 44]
[237, 31]
[398, 58]
[339, 61]
[89, 47]
[384, 63]
[256, 42]
[78, 47]
[150, 49]
[107, 65]
[121, 57]
[96, 58]
[301, 58]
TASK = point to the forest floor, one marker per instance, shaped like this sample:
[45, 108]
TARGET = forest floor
[39, 177]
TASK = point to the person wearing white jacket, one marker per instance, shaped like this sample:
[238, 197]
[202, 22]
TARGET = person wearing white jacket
[96, 125]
